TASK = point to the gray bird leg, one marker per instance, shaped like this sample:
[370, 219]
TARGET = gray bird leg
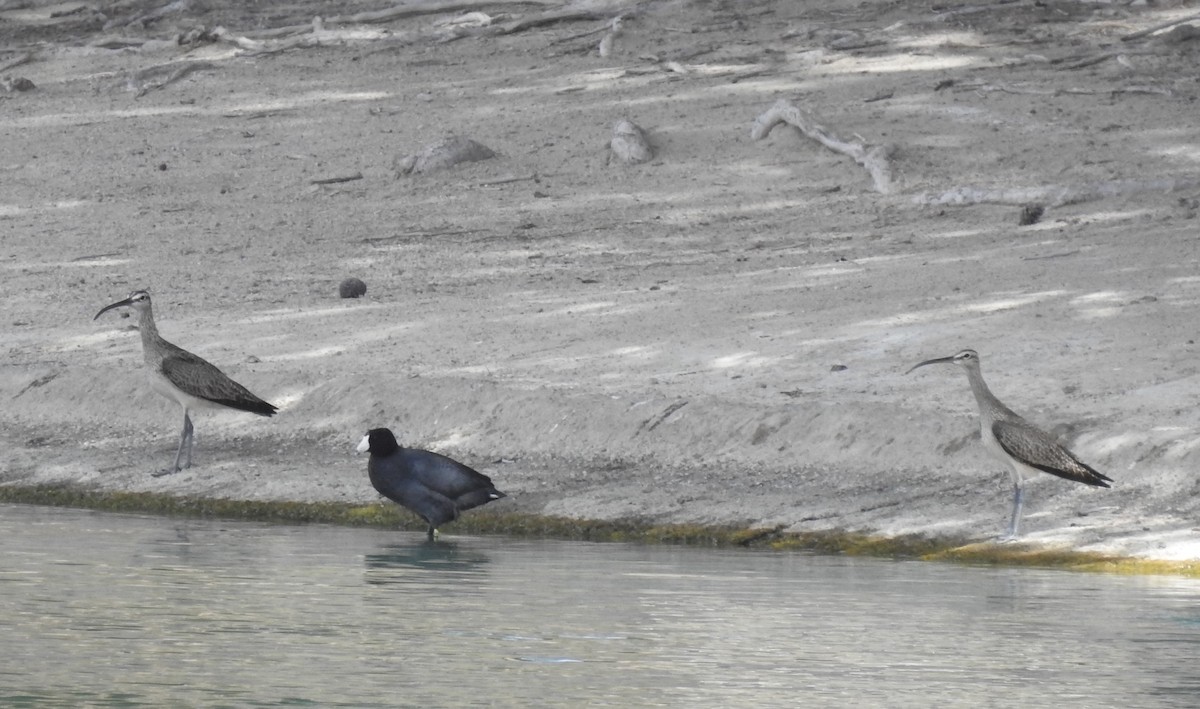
[188, 431]
[1015, 523]
[185, 444]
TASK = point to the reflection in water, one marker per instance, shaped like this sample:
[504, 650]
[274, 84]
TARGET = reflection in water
[117, 610]
[445, 560]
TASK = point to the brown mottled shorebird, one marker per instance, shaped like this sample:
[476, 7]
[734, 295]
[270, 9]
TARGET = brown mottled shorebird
[183, 377]
[1012, 439]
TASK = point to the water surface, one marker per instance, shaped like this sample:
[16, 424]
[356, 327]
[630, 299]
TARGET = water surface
[98, 609]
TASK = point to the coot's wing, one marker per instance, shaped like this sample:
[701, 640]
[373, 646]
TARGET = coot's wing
[446, 475]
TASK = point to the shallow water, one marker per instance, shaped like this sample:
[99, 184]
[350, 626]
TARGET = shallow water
[100, 609]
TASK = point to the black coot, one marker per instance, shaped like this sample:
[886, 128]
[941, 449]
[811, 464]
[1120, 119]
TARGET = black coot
[433, 486]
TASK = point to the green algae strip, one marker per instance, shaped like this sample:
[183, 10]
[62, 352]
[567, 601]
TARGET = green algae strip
[1018, 554]
[389, 516]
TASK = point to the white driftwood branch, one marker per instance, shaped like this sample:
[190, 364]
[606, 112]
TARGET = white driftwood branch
[872, 157]
[252, 45]
[162, 75]
[400, 12]
[441, 155]
[1055, 195]
[1151, 30]
[317, 36]
[1070, 90]
[546, 18]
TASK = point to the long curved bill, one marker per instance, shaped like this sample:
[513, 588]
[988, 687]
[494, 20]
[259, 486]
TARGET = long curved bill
[118, 304]
[938, 360]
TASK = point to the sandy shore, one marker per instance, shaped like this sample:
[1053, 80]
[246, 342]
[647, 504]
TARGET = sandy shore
[716, 336]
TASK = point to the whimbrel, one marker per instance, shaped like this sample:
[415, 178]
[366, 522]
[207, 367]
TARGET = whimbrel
[1010, 438]
[185, 378]
[433, 486]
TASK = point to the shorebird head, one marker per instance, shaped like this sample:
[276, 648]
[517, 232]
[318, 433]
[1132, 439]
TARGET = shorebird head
[378, 441]
[139, 300]
[967, 359]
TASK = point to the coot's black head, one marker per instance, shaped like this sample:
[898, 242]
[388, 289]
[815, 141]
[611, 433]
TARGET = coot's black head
[379, 441]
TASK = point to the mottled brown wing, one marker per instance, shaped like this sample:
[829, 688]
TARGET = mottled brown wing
[197, 377]
[1038, 450]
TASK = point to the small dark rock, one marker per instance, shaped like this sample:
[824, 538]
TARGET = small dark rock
[838, 368]
[18, 83]
[1031, 214]
[352, 288]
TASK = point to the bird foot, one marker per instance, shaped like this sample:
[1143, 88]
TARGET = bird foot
[164, 471]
